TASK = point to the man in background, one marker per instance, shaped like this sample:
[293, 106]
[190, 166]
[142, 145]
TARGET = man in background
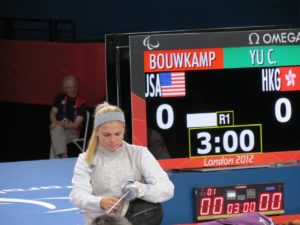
[66, 115]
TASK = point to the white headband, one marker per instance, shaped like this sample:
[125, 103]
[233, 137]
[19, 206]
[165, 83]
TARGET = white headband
[108, 116]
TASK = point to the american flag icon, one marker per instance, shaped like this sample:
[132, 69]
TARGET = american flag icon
[172, 84]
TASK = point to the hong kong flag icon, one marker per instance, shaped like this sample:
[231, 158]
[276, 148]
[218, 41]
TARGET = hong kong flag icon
[290, 78]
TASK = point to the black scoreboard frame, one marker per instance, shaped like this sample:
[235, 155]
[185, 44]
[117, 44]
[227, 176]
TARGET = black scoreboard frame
[118, 49]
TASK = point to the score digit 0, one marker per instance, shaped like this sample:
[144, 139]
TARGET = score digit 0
[278, 110]
[169, 112]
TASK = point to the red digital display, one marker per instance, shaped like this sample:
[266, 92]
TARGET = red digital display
[226, 201]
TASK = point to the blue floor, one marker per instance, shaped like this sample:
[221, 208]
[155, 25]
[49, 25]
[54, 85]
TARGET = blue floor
[36, 193]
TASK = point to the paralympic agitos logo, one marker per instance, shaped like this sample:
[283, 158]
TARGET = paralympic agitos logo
[150, 46]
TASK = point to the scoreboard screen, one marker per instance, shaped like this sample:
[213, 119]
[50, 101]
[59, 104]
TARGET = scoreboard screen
[215, 99]
[216, 202]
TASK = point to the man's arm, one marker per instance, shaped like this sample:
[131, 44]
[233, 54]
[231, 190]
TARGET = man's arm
[52, 116]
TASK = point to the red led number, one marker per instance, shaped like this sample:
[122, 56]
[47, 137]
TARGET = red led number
[249, 207]
[233, 208]
[270, 201]
[211, 206]
[211, 191]
[245, 207]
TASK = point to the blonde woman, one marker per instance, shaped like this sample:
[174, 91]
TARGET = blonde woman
[115, 176]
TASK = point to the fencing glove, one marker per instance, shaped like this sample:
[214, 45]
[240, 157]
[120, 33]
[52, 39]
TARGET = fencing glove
[134, 188]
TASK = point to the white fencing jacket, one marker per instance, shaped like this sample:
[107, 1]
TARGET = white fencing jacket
[110, 171]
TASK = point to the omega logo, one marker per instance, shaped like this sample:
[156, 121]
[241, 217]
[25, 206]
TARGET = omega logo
[274, 38]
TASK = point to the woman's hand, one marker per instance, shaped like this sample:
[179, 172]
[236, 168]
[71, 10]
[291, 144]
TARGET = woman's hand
[107, 202]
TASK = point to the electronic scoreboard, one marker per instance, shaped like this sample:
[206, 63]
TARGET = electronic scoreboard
[227, 201]
[225, 98]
